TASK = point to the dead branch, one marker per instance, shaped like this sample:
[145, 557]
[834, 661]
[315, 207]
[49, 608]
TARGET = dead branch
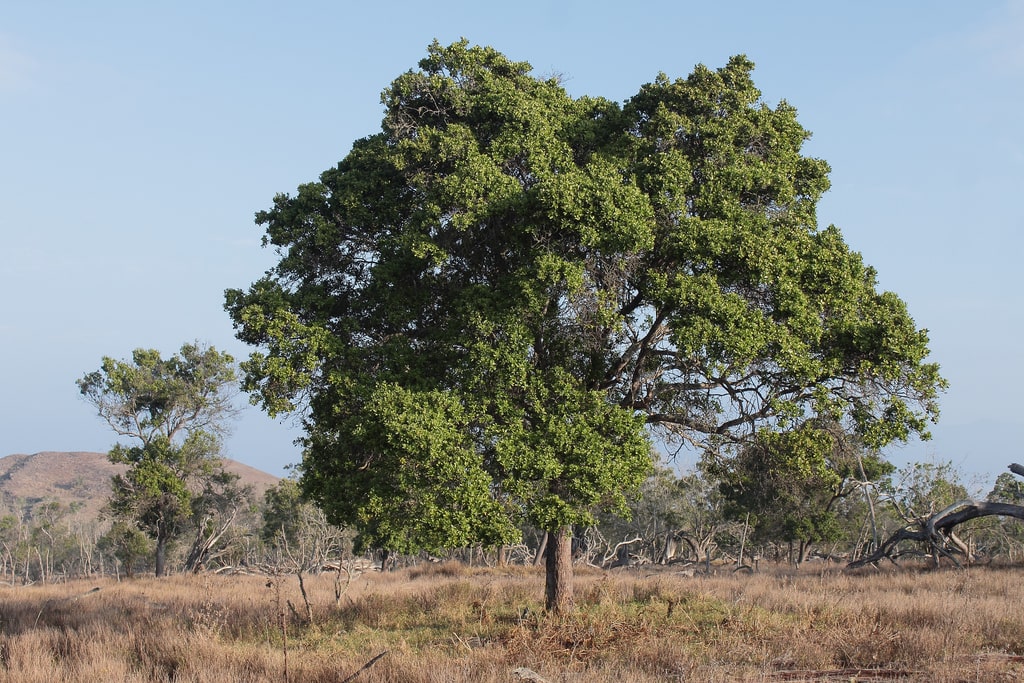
[672, 547]
[615, 556]
[364, 667]
[203, 547]
[524, 674]
[305, 597]
[937, 531]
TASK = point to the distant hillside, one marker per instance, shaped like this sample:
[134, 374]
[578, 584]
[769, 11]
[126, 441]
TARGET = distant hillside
[81, 480]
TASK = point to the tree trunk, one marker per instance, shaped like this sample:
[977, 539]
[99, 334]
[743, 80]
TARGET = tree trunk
[743, 540]
[804, 552]
[871, 505]
[161, 555]
[541, 550]
[559, 579]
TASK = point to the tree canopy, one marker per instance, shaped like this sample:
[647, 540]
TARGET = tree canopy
[487, 309]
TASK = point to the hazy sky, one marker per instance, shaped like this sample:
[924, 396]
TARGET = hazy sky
[137, 142]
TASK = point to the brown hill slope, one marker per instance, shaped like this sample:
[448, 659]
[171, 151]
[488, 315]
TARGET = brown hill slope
[81, 480]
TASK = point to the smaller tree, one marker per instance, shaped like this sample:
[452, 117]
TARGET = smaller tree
[1006, 535]
[176, 409]
[673, 516]
[638, 535]
[703, 515]
[126, 544]
[790, 482]
[1007, 489]
[932, 501]
[285, 514]
[297, 530]
[216, 512]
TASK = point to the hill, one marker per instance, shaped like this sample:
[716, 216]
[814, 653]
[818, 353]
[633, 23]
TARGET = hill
[81, 480]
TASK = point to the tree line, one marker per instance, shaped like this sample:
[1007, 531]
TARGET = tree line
[176, 497]
[687, 520]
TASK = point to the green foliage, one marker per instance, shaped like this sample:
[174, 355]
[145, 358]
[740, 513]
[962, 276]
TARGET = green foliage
[1004, 535]
[1007, 489]
[158, 489]
[152, 398]
[177, 409]
[282, 512]
[127, 544]
[790, 482]
[485, 309]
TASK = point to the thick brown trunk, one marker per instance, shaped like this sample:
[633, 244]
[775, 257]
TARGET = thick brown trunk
[558, 586]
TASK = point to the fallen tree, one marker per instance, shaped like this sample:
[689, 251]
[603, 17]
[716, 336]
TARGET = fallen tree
[937, 531]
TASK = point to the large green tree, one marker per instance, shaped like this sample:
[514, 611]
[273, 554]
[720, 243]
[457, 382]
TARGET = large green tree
[174, 411]
[486, 310]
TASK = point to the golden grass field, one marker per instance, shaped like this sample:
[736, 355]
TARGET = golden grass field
[453, 623]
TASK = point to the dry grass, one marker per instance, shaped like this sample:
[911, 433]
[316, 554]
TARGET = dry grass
[452, 623]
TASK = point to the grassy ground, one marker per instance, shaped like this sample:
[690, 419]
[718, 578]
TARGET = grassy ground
[452, 623]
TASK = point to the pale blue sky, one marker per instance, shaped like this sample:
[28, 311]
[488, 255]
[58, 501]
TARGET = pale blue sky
[137, 141]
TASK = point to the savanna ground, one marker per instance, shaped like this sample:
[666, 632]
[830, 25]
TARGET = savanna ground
[453, 623]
